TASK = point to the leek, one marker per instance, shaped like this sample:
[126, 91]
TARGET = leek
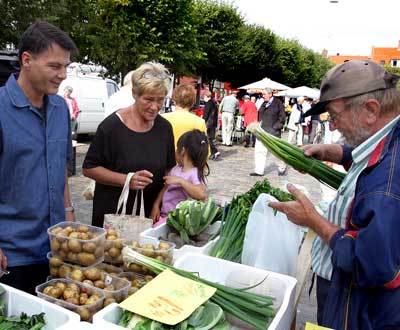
[295, 157]
[252, 308]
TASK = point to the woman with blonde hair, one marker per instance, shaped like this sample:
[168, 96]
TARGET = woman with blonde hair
[133, 139]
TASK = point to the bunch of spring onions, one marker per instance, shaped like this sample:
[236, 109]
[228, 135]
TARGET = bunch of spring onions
[254, 309]
[233, 224]
[295, 157]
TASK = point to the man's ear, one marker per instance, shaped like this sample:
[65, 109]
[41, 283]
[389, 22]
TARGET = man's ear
[373, 109]
[26, 59]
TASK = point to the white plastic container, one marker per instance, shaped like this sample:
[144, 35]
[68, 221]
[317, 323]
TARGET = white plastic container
[282, 287]
[56, 317]
[164, 230]
[82, 326]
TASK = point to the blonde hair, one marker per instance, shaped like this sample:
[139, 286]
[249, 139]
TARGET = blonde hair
[184, 96]
[150, 76]
[128, 79]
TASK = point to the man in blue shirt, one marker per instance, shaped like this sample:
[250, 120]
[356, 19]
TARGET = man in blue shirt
[35, 144]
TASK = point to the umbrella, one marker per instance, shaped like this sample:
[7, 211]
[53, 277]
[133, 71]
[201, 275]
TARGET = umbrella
[301, 91]
[265, 83]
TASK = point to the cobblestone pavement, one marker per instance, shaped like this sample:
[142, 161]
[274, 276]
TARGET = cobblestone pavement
[229, 175]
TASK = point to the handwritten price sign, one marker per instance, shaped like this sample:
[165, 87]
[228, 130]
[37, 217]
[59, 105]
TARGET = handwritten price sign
[168, 298]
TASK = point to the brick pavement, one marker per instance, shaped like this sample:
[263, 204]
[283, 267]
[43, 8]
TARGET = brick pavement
[229, 175]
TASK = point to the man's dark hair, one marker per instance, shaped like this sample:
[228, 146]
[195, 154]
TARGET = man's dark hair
[39, 37]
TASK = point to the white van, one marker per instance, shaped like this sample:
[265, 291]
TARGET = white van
[91, 93]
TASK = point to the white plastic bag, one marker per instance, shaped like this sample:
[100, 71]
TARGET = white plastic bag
[271, 241]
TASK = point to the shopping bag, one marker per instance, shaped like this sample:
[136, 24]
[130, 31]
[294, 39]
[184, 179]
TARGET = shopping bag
[128, 226]
[271, 241]
[88, 193]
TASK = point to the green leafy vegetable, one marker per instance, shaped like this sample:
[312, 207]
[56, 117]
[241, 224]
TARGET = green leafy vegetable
[192, 217]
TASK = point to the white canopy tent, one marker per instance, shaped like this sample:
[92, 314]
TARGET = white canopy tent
[265, 83]
[301, 91]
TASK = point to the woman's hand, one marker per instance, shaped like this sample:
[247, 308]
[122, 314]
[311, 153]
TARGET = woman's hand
[141, 180]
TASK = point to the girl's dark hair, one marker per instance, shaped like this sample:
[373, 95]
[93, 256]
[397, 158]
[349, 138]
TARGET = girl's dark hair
[195, 143]
[39, 37]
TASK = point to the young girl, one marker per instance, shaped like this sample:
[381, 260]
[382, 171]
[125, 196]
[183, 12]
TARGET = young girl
[185, 180]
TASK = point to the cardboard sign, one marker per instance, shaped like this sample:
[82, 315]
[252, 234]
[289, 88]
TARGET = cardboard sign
[312, 326]
[168, 298]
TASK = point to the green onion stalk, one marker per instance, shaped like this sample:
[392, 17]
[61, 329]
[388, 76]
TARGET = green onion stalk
[254, 309]
[294, 156]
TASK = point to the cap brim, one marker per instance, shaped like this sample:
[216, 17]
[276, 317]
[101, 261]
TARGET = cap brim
[316, 109]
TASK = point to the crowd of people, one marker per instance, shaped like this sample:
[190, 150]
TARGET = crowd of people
[355, 257]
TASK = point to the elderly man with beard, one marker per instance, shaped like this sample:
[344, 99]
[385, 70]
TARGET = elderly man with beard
[357, 253]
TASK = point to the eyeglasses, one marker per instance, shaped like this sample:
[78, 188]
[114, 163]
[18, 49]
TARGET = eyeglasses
[149, 75]
[335, 118]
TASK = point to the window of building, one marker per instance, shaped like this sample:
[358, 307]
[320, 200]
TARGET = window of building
[395, 63]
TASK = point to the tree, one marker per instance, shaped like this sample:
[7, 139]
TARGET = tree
[218, 29]
[122, 34]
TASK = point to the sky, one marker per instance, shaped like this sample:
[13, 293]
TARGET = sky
[348, 27]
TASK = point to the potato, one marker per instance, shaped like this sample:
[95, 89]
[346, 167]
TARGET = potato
[74, 301]
[55, 262]
[89, 247]
[135, 268]
[54, 272]
[75, 235]
[84, 314]
[83, 229]
[64, 270]
[99, 252]
[92, 273]
[74, 287]
[119, 259]
[109, 301]
[86, 258]
[54, 244]
[68, 230]
[112, 232]
[92, 299]
[77, 275]
[99, 284]
[74, 246]
[64, 246]
[111, 237]
[56, 292]
[148, 278]
[88, 282]
[72, 256]
[56, 230]
[62, 254]
[61, 285]
[135, 244]
[70, 293]
[132, 290]
[47, 289]
[84, 236]
[109, 287]
[83, 298]
[114, 252]
[163, 246]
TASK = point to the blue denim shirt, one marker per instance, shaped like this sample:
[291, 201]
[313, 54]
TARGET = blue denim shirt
[33, 159]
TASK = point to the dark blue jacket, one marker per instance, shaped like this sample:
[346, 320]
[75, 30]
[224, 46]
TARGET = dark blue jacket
[365, 291]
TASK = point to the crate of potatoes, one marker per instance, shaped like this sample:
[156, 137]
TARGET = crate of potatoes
[77, 243]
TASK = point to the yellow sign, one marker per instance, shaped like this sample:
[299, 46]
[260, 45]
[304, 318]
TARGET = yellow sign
[311, 326]
[168, 298]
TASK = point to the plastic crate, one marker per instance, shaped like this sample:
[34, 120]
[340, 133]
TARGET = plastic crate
[164, 230]
[17, 301]
[85, 311]
[60, 269]
[85, 252]
[121, 287]
[282, 287]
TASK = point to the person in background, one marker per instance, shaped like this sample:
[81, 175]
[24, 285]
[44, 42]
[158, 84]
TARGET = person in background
[182, 120]
[35, 147]
[271, 117]
[294, 120]
[133, 139]
[356, 255]
[228, 108]
[186, 179]
[210, 116]
[250, 114]
[122, 98]
[73, 108]
[315, 122]
[304, 121]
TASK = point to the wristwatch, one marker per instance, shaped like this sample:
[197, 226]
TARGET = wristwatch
[70, 209]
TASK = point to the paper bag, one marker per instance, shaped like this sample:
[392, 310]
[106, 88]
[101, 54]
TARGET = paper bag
[128, 226]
